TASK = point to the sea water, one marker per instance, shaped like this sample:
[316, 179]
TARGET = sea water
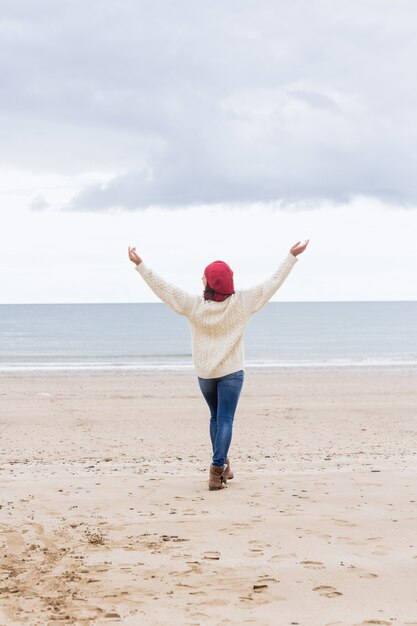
[36, 337]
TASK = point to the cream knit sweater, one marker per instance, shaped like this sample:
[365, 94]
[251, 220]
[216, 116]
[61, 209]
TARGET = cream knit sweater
[217, 328]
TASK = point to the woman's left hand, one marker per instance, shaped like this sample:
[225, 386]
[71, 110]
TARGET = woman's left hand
[299, 247]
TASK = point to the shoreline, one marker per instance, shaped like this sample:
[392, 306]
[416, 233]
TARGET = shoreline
[189, 369]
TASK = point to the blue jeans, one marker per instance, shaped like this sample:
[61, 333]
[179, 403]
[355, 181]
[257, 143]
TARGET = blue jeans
[222, 395]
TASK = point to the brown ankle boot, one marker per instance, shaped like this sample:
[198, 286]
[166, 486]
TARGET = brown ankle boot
[227, 472]
[215, 480]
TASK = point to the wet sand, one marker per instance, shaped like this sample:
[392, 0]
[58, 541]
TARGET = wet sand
[106, 517]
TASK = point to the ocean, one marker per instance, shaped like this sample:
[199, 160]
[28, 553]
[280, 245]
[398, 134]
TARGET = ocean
[43, 337]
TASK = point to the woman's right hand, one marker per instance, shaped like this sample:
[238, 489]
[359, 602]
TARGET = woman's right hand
[299, 247]
[135, 258]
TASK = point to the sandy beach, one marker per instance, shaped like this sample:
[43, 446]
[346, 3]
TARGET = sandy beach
[106, 517]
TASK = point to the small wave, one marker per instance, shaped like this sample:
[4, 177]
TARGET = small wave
[188, 366]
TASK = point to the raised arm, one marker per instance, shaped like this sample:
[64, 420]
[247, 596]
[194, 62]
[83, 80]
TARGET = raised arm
[256, 297]
[180, 301]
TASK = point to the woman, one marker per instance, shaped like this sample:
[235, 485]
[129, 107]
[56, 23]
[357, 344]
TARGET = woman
[218, 320]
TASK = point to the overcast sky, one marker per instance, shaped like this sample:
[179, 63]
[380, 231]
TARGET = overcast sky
[229, 129]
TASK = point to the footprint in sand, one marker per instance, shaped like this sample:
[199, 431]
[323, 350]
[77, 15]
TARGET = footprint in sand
[327, 591]
[15, 542]
[282, 557]
[344, 522]
[240, 525]
[260, 595]
[377, 622]
[350, 541]
[254, 552]
[360, 572]
[312, 564]
[259, 543]
[214, 602]
[212, 555]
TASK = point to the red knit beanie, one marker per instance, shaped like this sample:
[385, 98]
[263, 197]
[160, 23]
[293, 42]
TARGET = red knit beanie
[220, 278]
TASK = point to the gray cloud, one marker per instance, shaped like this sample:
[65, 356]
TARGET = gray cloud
[181, 103]
[39, 203]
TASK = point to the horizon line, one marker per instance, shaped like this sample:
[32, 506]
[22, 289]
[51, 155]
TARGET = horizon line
[136, 303]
